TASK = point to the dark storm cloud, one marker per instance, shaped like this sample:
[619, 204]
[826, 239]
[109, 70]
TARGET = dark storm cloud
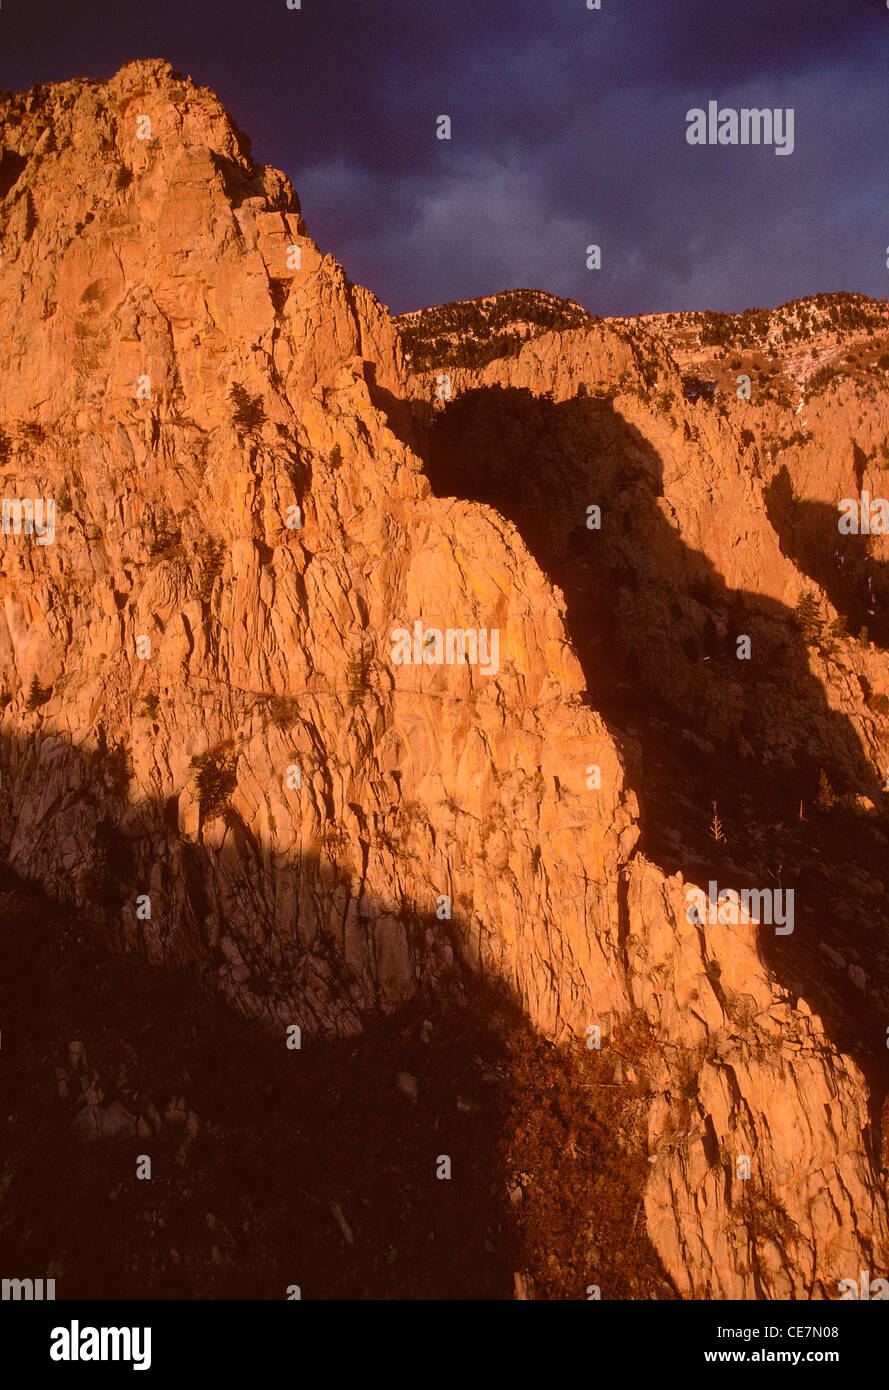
[568, 128]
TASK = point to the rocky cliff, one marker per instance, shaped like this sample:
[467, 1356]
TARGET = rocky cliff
[211, 757]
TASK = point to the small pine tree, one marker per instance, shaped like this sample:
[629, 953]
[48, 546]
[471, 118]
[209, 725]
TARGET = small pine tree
[808, 616]
[839, 629]
[335, 457]
[716, 831]
[37, 696]
[864, 638]
[827, 797]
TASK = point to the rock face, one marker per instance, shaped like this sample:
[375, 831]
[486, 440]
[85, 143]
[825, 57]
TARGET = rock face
[207, 745]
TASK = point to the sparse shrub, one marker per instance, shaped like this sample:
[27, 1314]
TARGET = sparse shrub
[560, 1121]
[821, 379]
[334, 837]
[248, 414]
[216, 781]
[634, 1041]
[335, 457]
[167, 538]
[741, 1009]
[358, 672]
[213, 560]
[284, 710]
[29, 433]
[827, 797]
[150, 704]
[766, 1219]
[118, 769]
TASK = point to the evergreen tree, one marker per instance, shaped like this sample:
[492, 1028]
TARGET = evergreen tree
[808, 616]
[37, 696]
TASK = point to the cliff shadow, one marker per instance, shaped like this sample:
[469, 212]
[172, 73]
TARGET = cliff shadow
[273, 1166]
[745, 774]
[855, 581]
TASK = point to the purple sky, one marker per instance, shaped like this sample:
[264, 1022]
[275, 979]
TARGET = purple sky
[568, 128]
